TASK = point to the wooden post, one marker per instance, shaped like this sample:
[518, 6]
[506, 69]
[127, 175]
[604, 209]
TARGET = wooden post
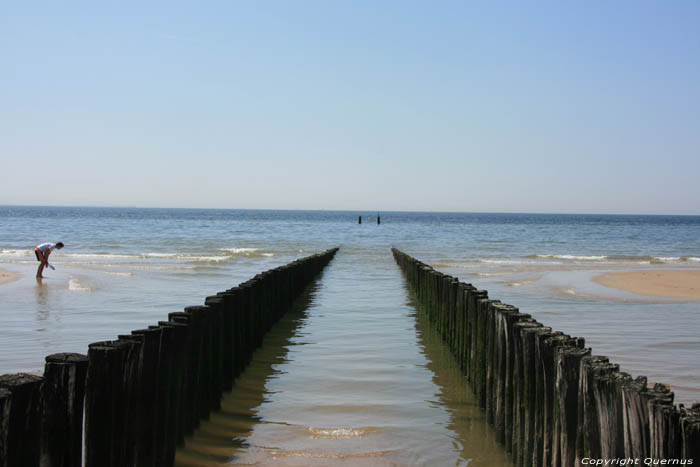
[635, 418]
[179, 377]
[21, 419]
[690, 433]
[222, 303]
[588, 443]
[521, 392]
[504, 319]
[104, 404]
[567, 361]
[537, 410]
[202, 349]
[512, 376]
[62, 421]
[150, 399]
[166, 397]
[191, 371]
[5, 401]
[664, 423]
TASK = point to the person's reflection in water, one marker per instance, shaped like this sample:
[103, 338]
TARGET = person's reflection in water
[41, 292]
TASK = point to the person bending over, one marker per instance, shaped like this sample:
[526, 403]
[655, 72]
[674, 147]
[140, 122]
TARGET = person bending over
[42, 253]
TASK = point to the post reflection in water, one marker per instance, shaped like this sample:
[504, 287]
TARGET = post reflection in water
[352, 376]
[475, 439]
[218, 440]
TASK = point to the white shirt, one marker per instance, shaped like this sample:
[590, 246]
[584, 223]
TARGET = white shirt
[46, 246]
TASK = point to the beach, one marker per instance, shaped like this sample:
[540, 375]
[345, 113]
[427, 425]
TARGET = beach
[659, 283]
[8, 276]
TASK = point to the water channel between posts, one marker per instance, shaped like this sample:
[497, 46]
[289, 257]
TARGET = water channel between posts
[353, 374]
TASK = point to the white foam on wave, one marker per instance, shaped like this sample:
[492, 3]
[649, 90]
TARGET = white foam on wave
[16, 253]
[207, 259]
[76, 285]
[75, 258]
[681, 259]
[513, 261]
[574, 257]
[96, 255]
[237, 251]
[617, 259]
[160, 255]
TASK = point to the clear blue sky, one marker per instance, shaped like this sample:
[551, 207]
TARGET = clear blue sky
[585, 106]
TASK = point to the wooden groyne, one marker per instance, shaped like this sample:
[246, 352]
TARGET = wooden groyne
[549, 400]
[142, 393]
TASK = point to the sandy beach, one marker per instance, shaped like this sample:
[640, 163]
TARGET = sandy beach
[7, 276]
[663, 283]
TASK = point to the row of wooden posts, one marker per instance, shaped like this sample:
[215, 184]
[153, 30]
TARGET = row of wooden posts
[145, 391]
[550, 402]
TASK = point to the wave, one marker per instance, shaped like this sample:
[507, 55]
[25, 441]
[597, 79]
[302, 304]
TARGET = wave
[224, 254]
[570, 257]
[619, 258]
[241, 250]
[515, 261]
[248, 252]
[16, 253]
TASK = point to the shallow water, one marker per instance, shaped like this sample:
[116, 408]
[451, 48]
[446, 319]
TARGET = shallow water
[355, 376]
[124, 269]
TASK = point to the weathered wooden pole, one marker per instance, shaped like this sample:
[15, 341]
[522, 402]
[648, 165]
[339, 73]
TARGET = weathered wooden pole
[512, 375]
[21, 419]
[5, 401]
[567, 361]
[202, 350]
[105, 404]
[589, 443]
[167, 397]
[504, 319]
[190, 370]
[690, 432]
[664, 423]
[150, 400]
[635, 418]
[221, 303]
[179, 408]
[62, 419]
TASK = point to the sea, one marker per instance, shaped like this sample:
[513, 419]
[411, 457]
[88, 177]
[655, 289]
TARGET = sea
[354, 373]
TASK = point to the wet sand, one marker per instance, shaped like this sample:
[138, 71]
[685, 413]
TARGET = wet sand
[7, 276]
[661, 283]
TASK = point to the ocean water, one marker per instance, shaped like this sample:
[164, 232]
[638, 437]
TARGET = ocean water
[355, 373]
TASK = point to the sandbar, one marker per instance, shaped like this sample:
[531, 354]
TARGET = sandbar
[7, 276]
[660, 283]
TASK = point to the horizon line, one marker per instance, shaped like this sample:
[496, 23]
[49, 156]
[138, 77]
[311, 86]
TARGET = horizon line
[378, 211]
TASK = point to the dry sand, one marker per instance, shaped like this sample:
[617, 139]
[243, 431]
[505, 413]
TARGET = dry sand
[7, 276]
[662, 283]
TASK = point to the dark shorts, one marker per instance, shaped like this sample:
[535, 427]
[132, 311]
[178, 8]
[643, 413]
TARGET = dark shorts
[39, 255]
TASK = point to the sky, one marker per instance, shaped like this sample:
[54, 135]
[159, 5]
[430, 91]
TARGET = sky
[540, 106]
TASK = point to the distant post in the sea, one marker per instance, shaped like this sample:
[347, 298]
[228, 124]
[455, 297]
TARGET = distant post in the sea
[379, 219]
[359, 220]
